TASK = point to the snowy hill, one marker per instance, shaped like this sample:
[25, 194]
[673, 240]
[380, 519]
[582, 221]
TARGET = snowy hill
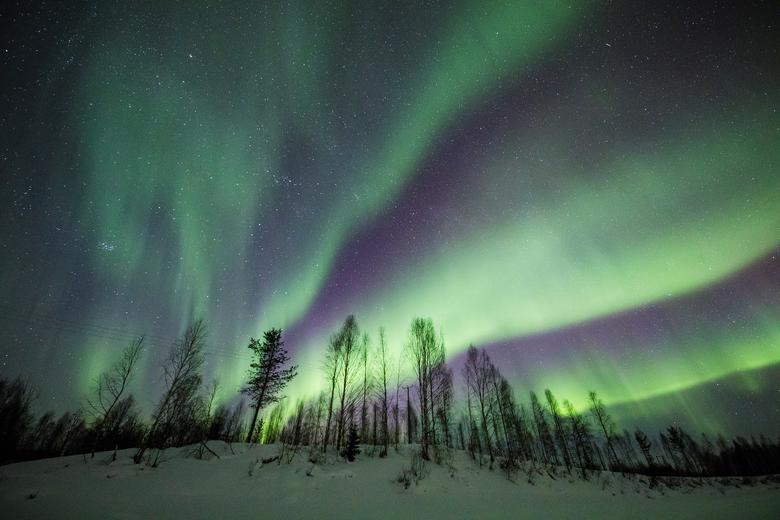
[239, 485]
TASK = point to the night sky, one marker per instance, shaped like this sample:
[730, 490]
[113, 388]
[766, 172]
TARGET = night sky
[589, 190]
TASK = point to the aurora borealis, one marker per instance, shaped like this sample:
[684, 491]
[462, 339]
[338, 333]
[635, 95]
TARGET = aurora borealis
[590, 190]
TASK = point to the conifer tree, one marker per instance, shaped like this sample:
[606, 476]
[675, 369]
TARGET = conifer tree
[352, 448]
[645, 446]
[267, 375]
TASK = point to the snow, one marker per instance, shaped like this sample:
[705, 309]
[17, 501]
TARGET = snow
[239, 485]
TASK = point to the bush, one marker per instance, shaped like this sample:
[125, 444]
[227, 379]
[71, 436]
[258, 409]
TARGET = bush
[415, 473]
[509, 466]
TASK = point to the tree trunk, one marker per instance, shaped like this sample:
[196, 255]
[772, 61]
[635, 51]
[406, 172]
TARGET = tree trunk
[257, 410]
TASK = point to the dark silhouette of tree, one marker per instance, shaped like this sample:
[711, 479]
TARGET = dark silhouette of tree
[267, 374]
[645, 446]
[332, 368]
[72, 427]
[352, 448]
[503, 411]
[523, 432]
[475, 446]
[442, 396]
[683, 448]
[16, 398]
[273, 427]
[382, 359]
[422, 349]
[182, 380]
[122, 427]
[397, 405]
[349, 349]
[581, 438]
[109, 388]
[627, 450]
[366, 386]
[558, 427]
[549, 453]
[607, 425]
[477, 372]
[411, 419]
[425, 352]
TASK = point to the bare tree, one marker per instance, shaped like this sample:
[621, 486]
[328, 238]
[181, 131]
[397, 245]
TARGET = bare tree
[515, 435]
[411, 418]
[382, 358]
[441, 398]
[349, 339]
[476, 372]
[496, 380]
[332, 368]
[581, 438]
[182, 378]
[16, 398]
[543, 431]
[110, 386]
[397, 407]
[559, 428]
[367, 383]
[606, 423]
[425, 352]
[267, 375]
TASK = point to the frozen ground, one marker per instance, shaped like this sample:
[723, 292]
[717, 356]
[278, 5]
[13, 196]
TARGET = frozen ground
[236, 486]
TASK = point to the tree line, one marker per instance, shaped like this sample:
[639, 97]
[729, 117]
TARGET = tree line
[366, 401]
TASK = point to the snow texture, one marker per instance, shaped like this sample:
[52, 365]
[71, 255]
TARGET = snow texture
[240, 485]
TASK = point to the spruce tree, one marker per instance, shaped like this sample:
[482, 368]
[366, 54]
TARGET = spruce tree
[353, 444]
[645, 445]
[267, 377]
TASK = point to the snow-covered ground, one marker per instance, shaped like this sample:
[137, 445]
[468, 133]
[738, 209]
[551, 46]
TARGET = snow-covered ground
[236, 486]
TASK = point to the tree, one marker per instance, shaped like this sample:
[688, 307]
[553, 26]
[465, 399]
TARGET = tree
[543, 431]
[110, 386]
[267, 375]
[558, 427]
[397, 406]
[684, 447]
[182, 379]
[364, 362]
[476, 372]
[645, 446]
[352, 448]
[425, 352]
[331, 367]
[500, 410]
[581, 438]
[606, 423]
[122, 427]
[16, 398]
[441, 399]
[349, 340]
[411, 419]
[383, 361]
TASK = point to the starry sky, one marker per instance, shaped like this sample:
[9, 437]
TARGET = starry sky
[589, 190]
